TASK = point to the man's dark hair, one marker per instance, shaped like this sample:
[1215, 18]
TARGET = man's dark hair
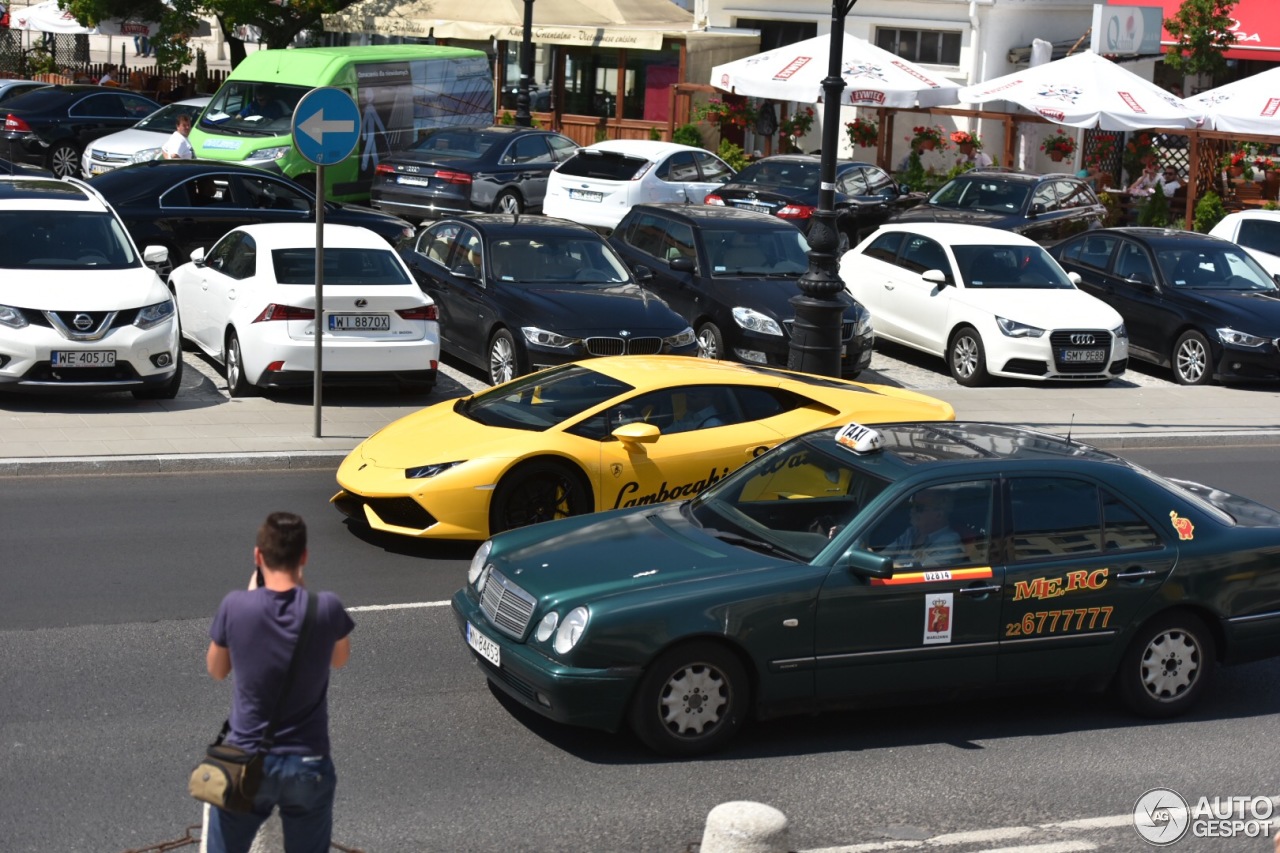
[282, 540]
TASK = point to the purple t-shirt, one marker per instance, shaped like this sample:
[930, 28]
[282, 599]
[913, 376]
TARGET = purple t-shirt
[260, 627]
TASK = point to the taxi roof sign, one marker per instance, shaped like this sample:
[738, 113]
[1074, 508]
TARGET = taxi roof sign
[859, 438]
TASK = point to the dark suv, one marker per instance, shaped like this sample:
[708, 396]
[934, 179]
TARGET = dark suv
[1045, 208]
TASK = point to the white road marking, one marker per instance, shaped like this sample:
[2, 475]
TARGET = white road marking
[408, 606]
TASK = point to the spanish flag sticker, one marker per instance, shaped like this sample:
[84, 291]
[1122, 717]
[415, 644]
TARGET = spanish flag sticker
[934, 576]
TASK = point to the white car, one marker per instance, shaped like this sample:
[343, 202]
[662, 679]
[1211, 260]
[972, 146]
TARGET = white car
[250, 303]
[79, 308]
[1256, 230]
[140, 143]
[991, 302]
[600, 183]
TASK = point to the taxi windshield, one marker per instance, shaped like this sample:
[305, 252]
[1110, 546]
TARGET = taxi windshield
[791, 501]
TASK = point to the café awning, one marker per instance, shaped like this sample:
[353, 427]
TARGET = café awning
[638, 24]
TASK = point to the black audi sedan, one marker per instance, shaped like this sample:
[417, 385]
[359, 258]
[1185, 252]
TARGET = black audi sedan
[787, 186]
[1044, 208]
[51, 125]
[186, 205]
[731, 274]
[519, 293]
[455, 170]
[1197, 304]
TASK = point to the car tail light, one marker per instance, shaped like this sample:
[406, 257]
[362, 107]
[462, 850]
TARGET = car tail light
[714, 198]
[384, 169]
[642, 171]
[284, 312]
[796, 211]
[424, 312]
[453, 177]
[12, 122]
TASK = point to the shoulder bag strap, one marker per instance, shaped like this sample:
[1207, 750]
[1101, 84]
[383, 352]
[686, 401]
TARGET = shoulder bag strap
[269, 736]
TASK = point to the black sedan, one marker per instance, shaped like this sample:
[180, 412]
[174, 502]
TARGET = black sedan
[1198, 304]
[1045, 208]
[456, 170]
[51, 125]
[186, 205]
[518, 293]
[788, 185]
[731, 273]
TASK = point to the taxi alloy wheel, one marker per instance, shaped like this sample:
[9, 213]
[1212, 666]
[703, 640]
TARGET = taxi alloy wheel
[1191, 359]
[540, 490]
[1166, 667]
[691, 701]
[967, 358]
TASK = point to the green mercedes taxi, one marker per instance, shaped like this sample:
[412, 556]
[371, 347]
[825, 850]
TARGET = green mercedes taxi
[859, 565]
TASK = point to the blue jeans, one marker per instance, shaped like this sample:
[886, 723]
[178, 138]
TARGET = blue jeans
[302, 786]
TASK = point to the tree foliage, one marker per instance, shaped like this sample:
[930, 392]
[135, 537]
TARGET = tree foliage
[1202, 29]
[279, 21]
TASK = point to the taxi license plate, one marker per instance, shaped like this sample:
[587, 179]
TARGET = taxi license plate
[586, 195]
[1084, 355]
[83, 358]
[359, 322]
[486, 648]
[413, 182]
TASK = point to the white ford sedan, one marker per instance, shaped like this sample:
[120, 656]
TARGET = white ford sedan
[250, 302]
[991, 302]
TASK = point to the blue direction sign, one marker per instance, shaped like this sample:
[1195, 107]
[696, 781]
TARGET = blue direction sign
[326, 126]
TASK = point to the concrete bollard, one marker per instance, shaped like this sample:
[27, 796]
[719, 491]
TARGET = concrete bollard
[744, 827]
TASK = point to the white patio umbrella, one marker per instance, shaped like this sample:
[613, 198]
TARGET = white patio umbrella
[1251, 105]
[1087, 90]
[46, 17]
[873, 77]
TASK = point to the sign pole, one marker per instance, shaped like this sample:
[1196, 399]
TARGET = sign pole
[326, 128]
[319, 370]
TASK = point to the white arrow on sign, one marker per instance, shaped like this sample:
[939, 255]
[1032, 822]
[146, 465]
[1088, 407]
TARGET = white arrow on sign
[316, 127]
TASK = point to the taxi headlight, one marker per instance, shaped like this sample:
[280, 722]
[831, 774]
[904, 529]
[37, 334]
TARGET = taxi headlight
[423, 471]
[753, 321]
[478, 562]
[571, 629]
[1234, 338]
[546, 626]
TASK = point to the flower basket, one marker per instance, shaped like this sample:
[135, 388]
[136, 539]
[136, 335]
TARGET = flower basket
[862, 132]
[796, 125]
[1058, 146]
[961, 138]
[1104, 149]
[734, 113]
[927, 137]
[1241, 162]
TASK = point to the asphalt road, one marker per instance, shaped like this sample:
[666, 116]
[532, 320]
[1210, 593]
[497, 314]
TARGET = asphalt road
[106, 705]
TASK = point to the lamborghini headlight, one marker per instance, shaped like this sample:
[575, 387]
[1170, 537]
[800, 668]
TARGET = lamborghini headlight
[423, 471]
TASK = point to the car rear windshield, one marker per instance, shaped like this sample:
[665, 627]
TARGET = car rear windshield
[602, 165]
[799, 175]
[341, 266]
[60, 239]
[457, 143]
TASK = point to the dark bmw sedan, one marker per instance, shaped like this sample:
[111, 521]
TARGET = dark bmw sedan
[519, 293]
[731, 274]
[1197, 304]
[787, 186]
[1045, 208]
[50, 126]
[186, 205]
[456, 170]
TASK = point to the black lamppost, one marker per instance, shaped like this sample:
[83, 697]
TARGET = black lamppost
[815, 335]
[523, 117]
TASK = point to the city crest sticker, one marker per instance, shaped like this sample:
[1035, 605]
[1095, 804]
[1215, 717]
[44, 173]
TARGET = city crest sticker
[938, 613]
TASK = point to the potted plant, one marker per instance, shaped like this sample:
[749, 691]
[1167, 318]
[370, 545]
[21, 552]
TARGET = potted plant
[1238, 164]
[737, 112]
[1104, 149]
[1058, 146]
[796, 125]
[863, 132]
[961, 138]
[926, 137]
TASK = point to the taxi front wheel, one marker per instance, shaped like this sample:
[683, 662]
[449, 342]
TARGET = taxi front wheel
[692, 700]
[1167, 665]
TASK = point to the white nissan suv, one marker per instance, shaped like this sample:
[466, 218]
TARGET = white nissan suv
[80, 310]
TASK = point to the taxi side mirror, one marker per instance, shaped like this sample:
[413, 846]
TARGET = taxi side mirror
[638, 432]
[866, 564]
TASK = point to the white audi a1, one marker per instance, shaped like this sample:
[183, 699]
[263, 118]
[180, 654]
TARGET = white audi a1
[250, 303]
[991, 302]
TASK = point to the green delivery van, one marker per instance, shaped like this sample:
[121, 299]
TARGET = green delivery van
[400, 90]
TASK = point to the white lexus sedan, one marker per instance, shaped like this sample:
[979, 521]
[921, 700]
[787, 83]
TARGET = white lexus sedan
[250, 303]
[600, 183]
[991, 302]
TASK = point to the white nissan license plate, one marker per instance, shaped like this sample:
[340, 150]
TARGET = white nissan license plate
[487, 648]
[1084, 355]
[585, 195]
[359, 322]
[83, 358]
[414, 182]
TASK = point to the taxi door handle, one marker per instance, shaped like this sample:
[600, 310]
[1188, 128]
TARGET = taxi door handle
[980, 590]
[1137, 575]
